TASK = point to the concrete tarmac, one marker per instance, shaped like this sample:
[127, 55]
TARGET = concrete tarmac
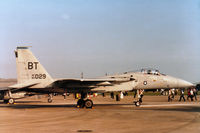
[156, 115]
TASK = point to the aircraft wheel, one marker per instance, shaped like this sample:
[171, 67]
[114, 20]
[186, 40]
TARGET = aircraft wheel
[88, 103]
[50, 100]
[80, 103]
[137, 104]
[5, 101]
[11, 101]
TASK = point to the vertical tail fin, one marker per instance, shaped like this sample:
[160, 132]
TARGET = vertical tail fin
[28, 67]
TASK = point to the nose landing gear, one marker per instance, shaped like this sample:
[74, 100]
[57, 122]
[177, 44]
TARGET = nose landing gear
[137, 103]
[139, 97]
[50, 98]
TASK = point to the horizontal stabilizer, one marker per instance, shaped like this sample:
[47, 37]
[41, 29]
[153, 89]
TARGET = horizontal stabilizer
[4, 89]
[23, 85]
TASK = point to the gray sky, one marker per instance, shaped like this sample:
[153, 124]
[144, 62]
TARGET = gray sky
[101, 36]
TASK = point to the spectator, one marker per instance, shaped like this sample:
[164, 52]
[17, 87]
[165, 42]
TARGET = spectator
[191, 94]
[182, 95]
[173, 93]
[188, 94]
[195, 93]
[169, 95]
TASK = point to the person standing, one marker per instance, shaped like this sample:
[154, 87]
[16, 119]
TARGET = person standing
[173, 93]
[182, 95]
[195, 93]
[191, 94]
[188, 94]
[169, 96]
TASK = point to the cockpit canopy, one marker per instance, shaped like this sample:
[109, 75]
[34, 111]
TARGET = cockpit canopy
[150, 71]
[147, 71]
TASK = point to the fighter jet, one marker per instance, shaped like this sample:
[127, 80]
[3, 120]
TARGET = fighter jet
[33, 78]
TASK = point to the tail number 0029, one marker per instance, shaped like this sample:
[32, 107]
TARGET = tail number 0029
[39, 76]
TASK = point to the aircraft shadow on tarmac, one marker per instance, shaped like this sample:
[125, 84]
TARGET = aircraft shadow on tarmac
[117, 106]
[25, 102]
[25, 106]
[31, 105]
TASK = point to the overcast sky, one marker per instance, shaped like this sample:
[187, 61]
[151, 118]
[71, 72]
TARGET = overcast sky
[103, 36]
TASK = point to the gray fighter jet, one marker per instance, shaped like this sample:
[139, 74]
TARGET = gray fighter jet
[32, 78]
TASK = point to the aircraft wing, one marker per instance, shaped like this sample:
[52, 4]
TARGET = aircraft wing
[87, 83]
[94, 80]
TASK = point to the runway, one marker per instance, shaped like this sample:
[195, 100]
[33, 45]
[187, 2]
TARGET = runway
[166, 105]
[155, 115]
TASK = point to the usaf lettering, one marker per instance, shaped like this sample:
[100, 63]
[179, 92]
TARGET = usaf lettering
[32, 65]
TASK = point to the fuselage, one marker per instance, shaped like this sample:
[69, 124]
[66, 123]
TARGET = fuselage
[143, 80]
[146, 79]
[124, 82]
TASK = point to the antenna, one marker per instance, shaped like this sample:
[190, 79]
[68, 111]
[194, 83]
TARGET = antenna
[23, 47]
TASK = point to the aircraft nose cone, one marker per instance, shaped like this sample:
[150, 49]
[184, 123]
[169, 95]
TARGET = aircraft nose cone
[184, 84]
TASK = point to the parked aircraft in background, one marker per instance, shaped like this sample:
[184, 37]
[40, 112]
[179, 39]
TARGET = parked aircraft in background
[32, 79]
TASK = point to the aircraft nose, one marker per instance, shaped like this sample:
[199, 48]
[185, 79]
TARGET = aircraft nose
[183, 83]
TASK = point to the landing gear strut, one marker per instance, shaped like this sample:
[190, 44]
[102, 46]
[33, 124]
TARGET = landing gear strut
[81, 103]
[10, 100]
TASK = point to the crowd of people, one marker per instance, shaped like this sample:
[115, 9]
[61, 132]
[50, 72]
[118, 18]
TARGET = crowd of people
[191, 94]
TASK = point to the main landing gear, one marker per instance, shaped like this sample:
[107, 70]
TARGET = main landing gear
[84, 103]
[81, 103]
[9, 101]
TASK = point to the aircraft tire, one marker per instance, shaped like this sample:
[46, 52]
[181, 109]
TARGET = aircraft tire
[50, 100]
[5, 101]
[11, 101]
[88, 103]
[80, 103]
[137, 104]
